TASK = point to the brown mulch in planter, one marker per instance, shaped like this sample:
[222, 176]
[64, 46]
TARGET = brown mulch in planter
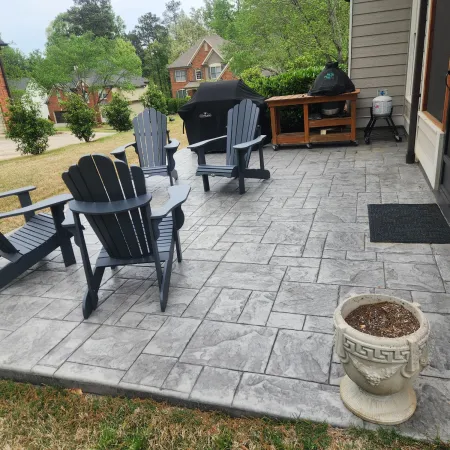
[383, 319]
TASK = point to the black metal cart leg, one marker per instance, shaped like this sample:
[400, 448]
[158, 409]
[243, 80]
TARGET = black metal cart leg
[393, 128]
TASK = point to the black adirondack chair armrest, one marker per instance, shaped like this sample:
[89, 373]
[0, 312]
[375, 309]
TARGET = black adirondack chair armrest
[47, 203]
[246, 145]
[119, 152]
[178, 195]
[206, 143]
[17, 191]
[172, 145]
[105, 208]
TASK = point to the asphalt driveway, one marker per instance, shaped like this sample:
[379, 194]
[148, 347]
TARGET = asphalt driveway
[8, 147]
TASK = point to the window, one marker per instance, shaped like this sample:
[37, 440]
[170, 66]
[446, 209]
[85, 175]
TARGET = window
[435, 99]
[102, 96]
[198, 75]
[181, 93]
[215, 70]
[180, 75]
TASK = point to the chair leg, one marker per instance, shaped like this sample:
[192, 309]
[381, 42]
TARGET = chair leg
[63, 236]
[241, 183]
[176, 238]
[164, 288]
[174, 174]
[241, 171]
[90, 299]
[205, 183]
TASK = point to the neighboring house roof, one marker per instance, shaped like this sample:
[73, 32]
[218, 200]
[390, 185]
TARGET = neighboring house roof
[90, 79]
[19, 85]
[185, 59]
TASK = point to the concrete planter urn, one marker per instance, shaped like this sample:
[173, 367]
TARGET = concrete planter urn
[379, 370]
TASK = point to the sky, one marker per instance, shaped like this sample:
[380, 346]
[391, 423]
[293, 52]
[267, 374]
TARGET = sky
[23, 22]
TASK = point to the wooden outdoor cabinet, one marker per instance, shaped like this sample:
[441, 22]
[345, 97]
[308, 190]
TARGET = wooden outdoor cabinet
[307, 137]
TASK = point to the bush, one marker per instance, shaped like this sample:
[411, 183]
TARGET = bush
[174, 104]
[297, 81]
[117, 113]
[154, 98]
[27, 128]
[79, 117]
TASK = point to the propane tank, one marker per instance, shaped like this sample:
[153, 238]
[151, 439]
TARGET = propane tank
[382, 106]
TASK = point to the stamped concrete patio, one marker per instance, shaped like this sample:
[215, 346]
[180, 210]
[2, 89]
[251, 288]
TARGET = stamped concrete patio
[248, 327]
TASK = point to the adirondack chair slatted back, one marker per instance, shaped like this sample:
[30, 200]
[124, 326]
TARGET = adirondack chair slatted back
[242, 122]
[98, 179]
[150, 130]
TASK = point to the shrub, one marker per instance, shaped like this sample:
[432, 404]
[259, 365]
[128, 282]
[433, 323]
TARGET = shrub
[79, 117]
[297, 81]
[117, 113]
[27, 128]
[174, 104]
[154, 98]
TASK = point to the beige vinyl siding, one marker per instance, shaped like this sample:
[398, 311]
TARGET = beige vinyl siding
[379, 53]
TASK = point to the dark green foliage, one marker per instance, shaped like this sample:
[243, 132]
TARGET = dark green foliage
[117, 113]
[297, 81]
[16, 64]
[219, 16]
[174, 104]
[150, 38]
[89, 16]
[79, 117]
[26, 128]
[294, 81]
[154, 98]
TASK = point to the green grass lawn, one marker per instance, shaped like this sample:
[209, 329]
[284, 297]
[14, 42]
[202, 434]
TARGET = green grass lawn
[44, 171]
[49, 418]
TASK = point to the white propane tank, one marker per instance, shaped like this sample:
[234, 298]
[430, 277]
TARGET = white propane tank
[382, 106]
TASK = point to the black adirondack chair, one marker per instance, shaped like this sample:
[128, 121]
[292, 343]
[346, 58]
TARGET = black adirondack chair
[116, 204]
[153, 145]
[41, 234]
[243, 133]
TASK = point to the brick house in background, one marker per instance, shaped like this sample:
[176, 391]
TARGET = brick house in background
[4, 92]
[202, 62]
[56, 110]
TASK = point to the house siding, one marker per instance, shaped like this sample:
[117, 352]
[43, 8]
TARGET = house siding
[379, 53]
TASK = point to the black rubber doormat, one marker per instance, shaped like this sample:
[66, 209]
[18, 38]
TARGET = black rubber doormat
[409, 224]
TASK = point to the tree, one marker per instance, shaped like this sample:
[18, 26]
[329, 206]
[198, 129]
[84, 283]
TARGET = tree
[26, 127]
[219, 15]
[172, 12]
[87, 64]
[154, 98]
[117, 113]
[151, 41]
[312, 30]
[80, 118]
[15, 63]
[88, 16]
[186, 31]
